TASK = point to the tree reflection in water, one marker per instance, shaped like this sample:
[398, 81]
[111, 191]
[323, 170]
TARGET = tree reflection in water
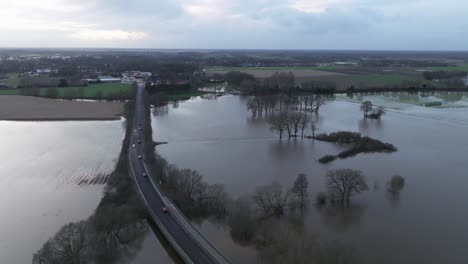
[342, 218]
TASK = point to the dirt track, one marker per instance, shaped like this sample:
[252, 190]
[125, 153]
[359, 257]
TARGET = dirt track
[13, 107]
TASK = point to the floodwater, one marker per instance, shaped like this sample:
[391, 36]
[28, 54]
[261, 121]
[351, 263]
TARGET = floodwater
[426, 223]
[51, 173]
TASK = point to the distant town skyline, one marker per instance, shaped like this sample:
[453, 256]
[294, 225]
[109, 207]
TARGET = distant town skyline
[241, 24]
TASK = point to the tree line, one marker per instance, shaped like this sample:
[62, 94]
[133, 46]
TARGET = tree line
[288, 113]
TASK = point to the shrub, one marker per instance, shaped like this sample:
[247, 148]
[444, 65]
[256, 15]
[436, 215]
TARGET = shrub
[341, 137]
[327, 159]
[396, 183]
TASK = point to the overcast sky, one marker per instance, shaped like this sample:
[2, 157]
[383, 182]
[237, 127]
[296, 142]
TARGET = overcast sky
[240, 24]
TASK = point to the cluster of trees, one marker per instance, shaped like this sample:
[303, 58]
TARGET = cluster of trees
[285, 103]
[359, 145]
[291, 122]
[342, 184]
[293, 116]
[277, 83]
[271, 200]
[191, 193]
[370, 111]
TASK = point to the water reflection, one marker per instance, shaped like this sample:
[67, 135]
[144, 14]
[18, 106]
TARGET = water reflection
[342, 218]
[394, 199]
[283, 149]
[209, 96]
[160, 110]
[366, 125]
[257, 158]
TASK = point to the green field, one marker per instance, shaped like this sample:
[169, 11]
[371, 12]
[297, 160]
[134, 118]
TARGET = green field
[460, 67]
[101, 90]
[11, 81]
[15, 75]
[342, 82]
[280, 69]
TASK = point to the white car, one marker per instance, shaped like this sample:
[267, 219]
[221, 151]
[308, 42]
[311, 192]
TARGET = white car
[145, 175]
[139, 156]
[133, 146]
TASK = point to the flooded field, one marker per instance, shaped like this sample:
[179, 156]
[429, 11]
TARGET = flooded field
[425, 223]
[51, 173]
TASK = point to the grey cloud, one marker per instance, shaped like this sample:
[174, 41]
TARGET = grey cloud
[334, 20]
[159, 8]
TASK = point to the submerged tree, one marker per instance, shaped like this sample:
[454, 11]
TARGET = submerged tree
[366, 107]
[270, 199]
[380, 111]
[279, 123]
[344, 183]
[313, 127]
[300, 191]
[396, 184]
[305, 120]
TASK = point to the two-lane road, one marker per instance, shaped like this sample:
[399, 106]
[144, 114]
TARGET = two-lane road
[183, 242]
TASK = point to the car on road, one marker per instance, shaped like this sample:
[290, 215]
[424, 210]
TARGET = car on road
[139, 156]
[165, 210]
[136, 131]
[144, 174]
[139, 141]
[133, 146]
[139, 128]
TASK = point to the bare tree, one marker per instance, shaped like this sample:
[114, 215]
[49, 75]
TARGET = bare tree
[318, 102]
[380, 111]
[279, 123]
[295, 121]
[366, 107]
[305, 120]
[270, 199]
[300, 190]
[314, 127]
[251, 106]
[67, 246]
[344, 183]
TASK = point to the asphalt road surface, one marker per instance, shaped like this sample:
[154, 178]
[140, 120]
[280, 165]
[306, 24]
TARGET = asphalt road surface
[185, 244]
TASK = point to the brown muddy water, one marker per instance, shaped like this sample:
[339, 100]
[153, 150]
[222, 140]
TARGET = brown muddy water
[426, 223]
